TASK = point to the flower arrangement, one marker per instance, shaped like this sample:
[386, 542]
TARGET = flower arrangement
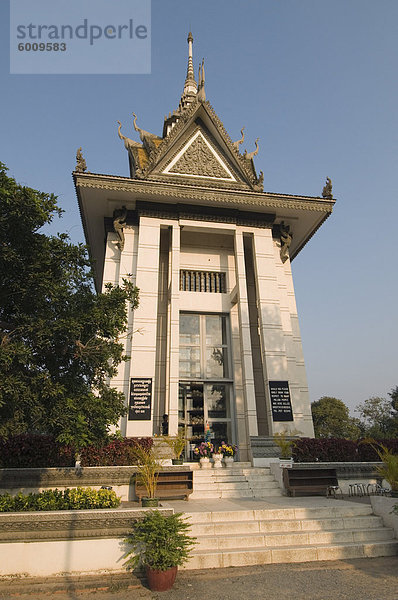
[227, 449]
[205, 449]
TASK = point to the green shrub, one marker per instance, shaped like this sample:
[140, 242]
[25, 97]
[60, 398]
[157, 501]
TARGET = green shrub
[69, 499]
[159, 542]
[29, 450]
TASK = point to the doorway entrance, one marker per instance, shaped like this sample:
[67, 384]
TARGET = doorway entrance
[205, 390]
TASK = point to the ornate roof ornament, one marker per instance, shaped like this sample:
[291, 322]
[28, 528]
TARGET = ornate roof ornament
[81, 166]
[239, 142]
[327, 189]
[251, 155]
[119, 222]
[128, 143]
[286, 240]
[201, 84]
[142, 133]
[149, 140]
[258, 186]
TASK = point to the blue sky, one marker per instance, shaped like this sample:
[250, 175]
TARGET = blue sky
[316, 80]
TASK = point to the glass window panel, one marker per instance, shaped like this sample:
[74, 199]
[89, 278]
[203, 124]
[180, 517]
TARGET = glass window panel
[217, 401]
[189, 329]
[216, 363]
[189, 370]
[189, 361]
[220, 432]
[214, 330]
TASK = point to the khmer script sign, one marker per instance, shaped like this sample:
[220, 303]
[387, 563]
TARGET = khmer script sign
[140, 399]
[280, 401]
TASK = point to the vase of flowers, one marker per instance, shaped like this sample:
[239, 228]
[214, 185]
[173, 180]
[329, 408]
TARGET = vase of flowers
[228, 451]
[217, 458]
[204, 450]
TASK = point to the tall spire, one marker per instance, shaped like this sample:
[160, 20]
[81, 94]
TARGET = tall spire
[189, 93]
[190, 87]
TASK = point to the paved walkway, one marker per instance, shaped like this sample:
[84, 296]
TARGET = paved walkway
[271, 503]
[357, 579]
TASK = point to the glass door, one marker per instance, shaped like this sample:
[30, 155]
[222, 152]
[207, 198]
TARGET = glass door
[205, 385]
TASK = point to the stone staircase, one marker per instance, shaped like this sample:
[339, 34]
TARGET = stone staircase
[239, 481]
[251, 537]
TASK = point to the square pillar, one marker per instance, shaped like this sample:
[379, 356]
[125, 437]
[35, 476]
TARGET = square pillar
[245, 342]
[174, 330]
[273, 349]
[143, 350]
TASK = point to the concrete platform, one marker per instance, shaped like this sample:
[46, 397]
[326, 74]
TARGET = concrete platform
[248, 531]
[271, 503]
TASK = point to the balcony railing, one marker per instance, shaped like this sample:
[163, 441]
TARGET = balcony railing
[202, 281]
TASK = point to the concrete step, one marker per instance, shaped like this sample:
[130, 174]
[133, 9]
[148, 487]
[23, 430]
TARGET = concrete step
[289, 526]
[222, 485]
[205, 559]
[214, 494]
[259, 540]
[286, 535]
[225, 476]
[241, 481]
[282, 514]
[210, 477]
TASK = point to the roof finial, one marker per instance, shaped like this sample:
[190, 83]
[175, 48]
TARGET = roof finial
[201, 82]
[190, 86]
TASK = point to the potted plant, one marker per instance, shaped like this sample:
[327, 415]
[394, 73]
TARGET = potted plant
[177, 445]
[217, 458]
[228, 451]
[389, 469]
[285, 444]
[204, 450]
[147, 474]
[160, 544]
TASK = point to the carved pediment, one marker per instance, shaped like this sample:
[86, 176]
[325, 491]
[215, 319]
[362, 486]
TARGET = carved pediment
[198, 158]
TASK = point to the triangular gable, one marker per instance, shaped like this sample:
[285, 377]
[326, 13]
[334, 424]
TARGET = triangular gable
[197, 146]
[198, 158]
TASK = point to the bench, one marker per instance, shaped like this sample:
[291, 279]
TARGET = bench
[171, 484]
[308, 481]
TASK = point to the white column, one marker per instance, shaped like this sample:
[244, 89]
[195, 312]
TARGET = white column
[174, 330]
[143, 351]
[270, 320]
[297, 375]
[119, 265]
[245, 343]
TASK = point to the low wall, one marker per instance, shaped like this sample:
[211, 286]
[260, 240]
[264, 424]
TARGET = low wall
[121, 479]
[51, 543]
[382, 507]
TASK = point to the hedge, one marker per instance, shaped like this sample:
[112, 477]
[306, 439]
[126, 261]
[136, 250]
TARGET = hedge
[68, 499]
[41, 451]
[337, 450]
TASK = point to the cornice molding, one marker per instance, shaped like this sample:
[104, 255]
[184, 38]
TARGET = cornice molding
[195, 192]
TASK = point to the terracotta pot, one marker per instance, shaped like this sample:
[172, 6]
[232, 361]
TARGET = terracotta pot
[229, 461]
[160, 581]
[150, 502]
[205, 462]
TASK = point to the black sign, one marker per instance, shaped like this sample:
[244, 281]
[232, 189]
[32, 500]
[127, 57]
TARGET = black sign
[280, 401]
[140, 399]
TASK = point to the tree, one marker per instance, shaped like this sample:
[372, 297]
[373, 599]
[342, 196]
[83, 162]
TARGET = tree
[331, 419]
[59, 341]
[377, 418]
[394, 400]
